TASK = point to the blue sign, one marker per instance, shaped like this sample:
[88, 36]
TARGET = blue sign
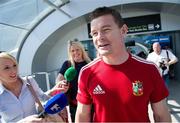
[163, 40]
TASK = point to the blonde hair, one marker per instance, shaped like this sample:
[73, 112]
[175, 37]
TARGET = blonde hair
[8, 56]
[85, 56]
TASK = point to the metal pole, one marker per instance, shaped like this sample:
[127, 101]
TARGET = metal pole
[47, 79]
[57, 8]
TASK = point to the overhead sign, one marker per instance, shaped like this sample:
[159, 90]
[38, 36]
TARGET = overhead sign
[143, 23]
[163, 40]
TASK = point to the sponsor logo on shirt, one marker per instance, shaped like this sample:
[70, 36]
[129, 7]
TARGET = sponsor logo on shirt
[137, 87]
[98, 90]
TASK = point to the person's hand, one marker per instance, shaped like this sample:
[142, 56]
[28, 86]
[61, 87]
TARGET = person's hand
[61, 86]
[32, 119]
[47, 119]
[167, 63]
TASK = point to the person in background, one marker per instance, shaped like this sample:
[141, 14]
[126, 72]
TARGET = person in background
[77, 58]
[16, 100]
[163, 59]
[119, 85]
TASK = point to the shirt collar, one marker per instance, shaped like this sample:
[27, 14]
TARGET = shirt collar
[2, 89]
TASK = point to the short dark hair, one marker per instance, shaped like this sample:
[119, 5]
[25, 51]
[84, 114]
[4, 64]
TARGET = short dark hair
[107, 11]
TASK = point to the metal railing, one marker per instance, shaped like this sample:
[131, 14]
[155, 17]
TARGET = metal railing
[47, 77]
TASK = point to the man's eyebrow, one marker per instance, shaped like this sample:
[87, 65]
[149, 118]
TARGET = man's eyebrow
[102, 27]
[106, 26]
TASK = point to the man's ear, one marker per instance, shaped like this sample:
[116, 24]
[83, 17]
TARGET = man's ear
[124, 29]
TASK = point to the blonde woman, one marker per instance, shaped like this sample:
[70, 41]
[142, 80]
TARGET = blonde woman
[77, 58]
[16, 100]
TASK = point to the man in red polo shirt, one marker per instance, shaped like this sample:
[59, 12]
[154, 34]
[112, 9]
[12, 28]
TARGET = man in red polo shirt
[120, 86]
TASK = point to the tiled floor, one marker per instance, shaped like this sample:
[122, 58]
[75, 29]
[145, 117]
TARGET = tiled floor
[173, 101]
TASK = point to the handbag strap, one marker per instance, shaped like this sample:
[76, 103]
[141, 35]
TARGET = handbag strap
[34, 94]
[167, 55]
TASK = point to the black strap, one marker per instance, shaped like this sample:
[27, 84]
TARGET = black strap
[167, 55]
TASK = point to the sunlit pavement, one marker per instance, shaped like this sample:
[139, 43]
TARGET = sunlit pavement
[173, 102]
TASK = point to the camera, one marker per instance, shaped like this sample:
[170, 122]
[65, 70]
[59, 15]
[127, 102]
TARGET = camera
[162, 65]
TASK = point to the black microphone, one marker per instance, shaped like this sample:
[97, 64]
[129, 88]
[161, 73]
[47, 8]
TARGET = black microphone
[54, 105]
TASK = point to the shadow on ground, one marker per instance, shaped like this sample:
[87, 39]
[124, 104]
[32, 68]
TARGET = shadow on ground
[174, 100]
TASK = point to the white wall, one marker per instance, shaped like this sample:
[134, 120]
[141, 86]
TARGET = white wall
[79, 29]
[170, 22]
[50, 24]
[75, 29]
[63, 27]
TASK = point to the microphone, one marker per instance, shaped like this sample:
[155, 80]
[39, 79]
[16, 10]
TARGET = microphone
[70, 74]
[54, 105]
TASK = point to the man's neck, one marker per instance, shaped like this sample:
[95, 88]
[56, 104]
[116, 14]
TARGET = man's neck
[116, 59]
[158, 53]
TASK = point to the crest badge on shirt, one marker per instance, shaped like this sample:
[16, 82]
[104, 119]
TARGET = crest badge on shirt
[137, 87]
